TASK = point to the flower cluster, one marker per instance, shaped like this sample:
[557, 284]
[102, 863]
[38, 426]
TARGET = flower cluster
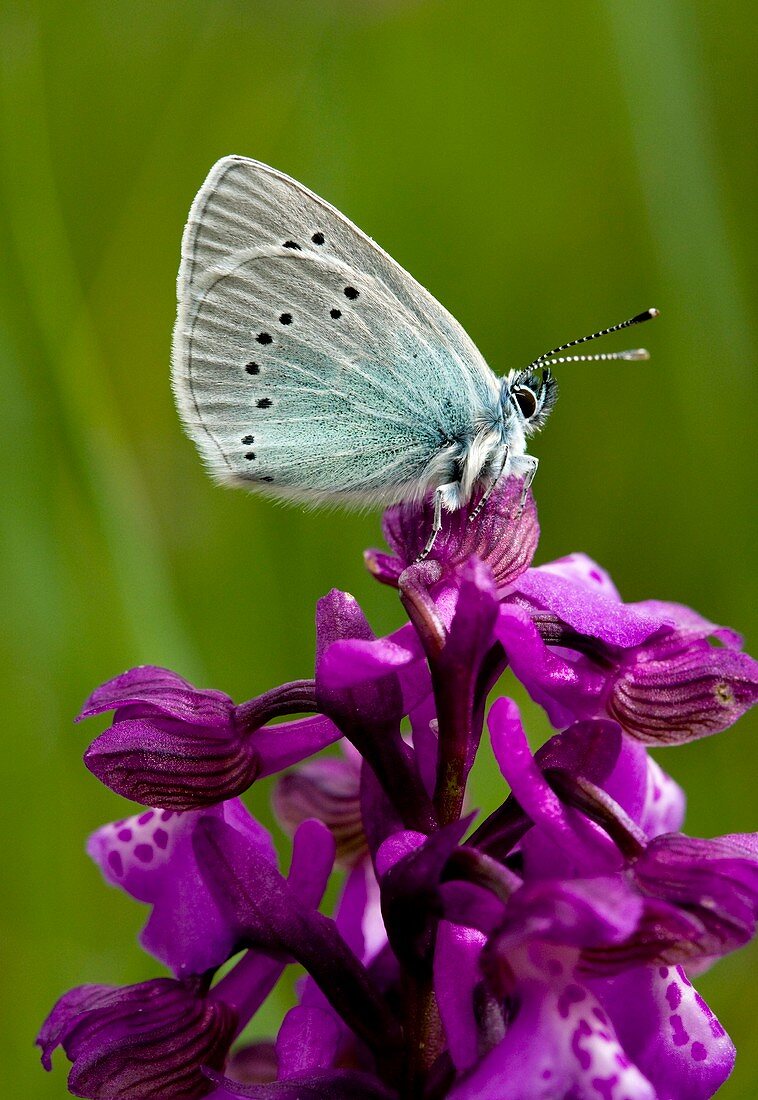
[542, 951]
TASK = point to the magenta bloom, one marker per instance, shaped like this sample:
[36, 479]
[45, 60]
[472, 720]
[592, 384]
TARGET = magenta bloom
[544, 948]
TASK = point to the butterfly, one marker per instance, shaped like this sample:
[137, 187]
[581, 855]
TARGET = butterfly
[309, 365]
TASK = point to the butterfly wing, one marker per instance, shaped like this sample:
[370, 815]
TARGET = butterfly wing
[306, 361]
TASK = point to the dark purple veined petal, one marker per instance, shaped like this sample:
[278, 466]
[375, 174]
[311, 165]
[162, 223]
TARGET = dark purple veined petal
[152, 690]
[148, 1040]
[678, 691]
[715, 881]
[172, 764]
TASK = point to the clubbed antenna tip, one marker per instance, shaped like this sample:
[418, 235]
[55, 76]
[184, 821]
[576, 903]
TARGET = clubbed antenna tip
[647, 315]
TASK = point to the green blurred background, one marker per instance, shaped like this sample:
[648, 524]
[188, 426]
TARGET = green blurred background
[545, 169]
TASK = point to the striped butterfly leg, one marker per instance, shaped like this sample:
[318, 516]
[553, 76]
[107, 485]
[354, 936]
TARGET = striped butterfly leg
[439, 496]
[488, 492]
[528, 465]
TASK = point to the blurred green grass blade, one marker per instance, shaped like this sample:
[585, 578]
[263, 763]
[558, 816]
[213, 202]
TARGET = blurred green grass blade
[671, 121]
[75, 367]
[706, 314]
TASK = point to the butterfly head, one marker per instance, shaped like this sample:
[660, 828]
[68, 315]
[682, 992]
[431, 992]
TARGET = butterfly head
[529, 396]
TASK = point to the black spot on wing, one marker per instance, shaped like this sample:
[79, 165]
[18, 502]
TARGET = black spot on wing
[253, 368]
[318, 238]
[264, 403]
[264, 338]
[286, 319]
[351, 293]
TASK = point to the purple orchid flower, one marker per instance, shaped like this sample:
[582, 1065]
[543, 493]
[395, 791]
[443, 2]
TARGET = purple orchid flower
[151, 857]
[179, 747]
[546, 951]
[154, 1039]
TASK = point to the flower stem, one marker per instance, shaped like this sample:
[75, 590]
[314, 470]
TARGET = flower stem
[423, 1033]
[453, 710]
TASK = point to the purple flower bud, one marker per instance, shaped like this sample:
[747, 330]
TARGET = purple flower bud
[178, 747]
[146, 1040]
[503, 536]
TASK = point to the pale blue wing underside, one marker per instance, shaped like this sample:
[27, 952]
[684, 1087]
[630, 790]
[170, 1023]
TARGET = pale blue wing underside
[306, 361]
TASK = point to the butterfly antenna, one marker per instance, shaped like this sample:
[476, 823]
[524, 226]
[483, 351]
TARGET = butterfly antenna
[638, 353]
[633, 354]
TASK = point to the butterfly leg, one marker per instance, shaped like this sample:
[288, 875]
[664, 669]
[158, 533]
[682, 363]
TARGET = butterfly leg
[488, 492]
[529, 465]
[436, 523]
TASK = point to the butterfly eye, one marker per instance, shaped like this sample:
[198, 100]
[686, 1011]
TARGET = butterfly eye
[526, 401]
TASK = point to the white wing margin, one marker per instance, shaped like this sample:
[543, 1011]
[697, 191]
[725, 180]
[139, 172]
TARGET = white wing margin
[306, 360]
